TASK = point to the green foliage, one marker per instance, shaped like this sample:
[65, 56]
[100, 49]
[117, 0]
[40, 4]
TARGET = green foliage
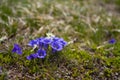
[113, 1]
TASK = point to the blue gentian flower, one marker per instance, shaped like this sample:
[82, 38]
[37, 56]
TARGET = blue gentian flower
[112, 41]
[17, 49]
[47, 40]
[31, 56]
[41, 53]
[36, 42]
[56, 39]
[32, 43]
[56, 46]
[39, 42]
[43, 43]
[60, 40]
[64, 43]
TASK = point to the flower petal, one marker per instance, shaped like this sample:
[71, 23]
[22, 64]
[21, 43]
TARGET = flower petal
[31, 56]
[41, 53]
[47, 40]
[32, 43]
[17, 49]
[112, 41]
[57, 46]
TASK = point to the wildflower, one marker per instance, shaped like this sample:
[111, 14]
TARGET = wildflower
[41, 53]
[64, 43]
[32, 43]
[56, 46]
[36, 42]
[17, 49]
[47, 40]
[112, 41]
[43, 43]
[60, 40]
[31, 56]
[56, 39]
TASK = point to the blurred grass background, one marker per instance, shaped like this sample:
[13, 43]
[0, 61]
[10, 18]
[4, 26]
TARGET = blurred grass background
[91, 23]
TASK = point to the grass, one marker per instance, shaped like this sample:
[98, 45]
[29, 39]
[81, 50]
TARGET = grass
[89, 23]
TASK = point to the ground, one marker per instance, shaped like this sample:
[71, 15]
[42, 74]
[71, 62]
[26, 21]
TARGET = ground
[87, 24]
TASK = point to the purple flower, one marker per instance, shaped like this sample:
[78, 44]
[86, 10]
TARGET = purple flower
[17, 49]
[31, 56]
[46, 40]
[37, 42]
[41, 53]
[43, 44]
[60, 40]
[57, 46]
[56, 39]
[32, 43]
[112, 41]
[64, 43]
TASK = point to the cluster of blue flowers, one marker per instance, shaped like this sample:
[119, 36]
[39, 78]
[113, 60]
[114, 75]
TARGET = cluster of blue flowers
[46, 44]
[43, 45]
